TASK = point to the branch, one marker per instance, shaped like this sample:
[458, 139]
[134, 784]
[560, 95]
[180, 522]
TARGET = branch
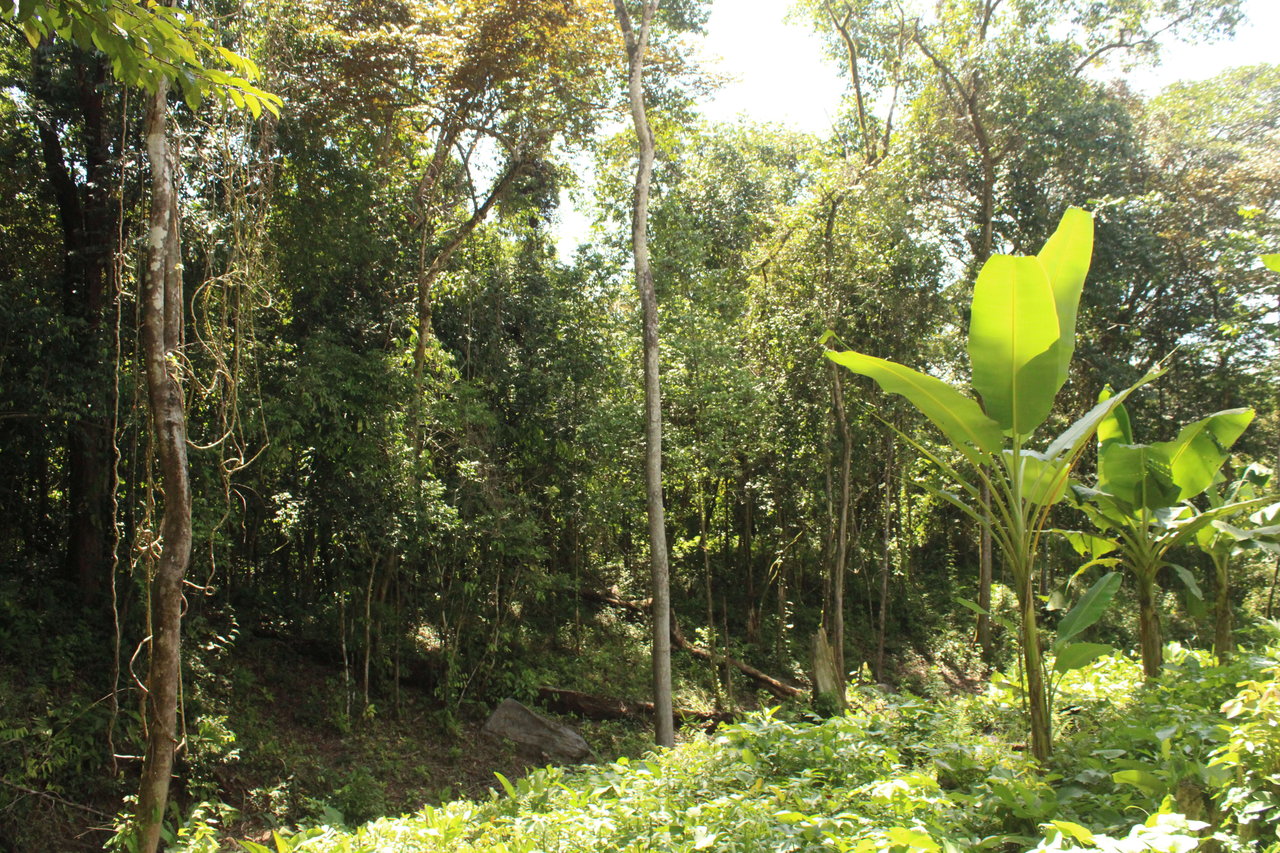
[48, 796]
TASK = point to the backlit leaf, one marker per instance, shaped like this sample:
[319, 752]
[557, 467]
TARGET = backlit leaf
[1013, 335]
[1065, 258]
[959, 417]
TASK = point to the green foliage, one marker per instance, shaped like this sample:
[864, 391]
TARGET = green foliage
[1021, 335]
[147, 42]
[1142, 501]
[1250, 755]
[1143, 768]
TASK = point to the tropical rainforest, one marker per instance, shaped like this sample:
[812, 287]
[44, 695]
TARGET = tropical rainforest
[901, 487]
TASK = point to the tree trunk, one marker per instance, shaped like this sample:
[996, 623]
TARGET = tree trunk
[703, 522]
[835, 622]
[161, 333]
[1037, 698]
[637, 43]
[1149, 626]
[88, 221]
[1223, 643]
[885, 562]
[984, 580]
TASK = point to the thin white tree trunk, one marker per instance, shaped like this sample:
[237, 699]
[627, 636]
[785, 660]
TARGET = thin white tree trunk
[637, 43]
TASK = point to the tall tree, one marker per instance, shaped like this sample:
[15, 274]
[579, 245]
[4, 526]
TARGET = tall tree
[162, 333]
[637, 43]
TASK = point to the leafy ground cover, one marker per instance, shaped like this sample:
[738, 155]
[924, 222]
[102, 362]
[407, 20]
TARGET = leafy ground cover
[1189, 762]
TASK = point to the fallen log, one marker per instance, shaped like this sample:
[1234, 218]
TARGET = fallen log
[593, 707]
[779, 689]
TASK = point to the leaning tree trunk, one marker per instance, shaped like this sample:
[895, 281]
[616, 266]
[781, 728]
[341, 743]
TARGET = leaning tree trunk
[637, 43]
[161, 333]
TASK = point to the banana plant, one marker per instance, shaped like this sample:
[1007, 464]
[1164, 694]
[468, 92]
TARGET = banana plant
[1221, 541]
[1141, 502]
[1021, 339]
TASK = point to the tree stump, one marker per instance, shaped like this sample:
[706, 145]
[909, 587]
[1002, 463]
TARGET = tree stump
[828, 686]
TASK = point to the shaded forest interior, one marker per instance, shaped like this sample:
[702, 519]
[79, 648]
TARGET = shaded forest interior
[413, 419]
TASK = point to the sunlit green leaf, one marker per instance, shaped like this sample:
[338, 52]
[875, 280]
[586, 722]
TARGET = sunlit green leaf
[1013, 334]
[1201, 448]
[1065, 258]
[959, 417]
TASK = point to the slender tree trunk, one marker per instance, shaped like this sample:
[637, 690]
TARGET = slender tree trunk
[1149, 626]
[841, 562]
[161, 332]
[637, 43]
[885, 562]
[1037, 698]
[1223, 643]
[703, 522]
[984, 580]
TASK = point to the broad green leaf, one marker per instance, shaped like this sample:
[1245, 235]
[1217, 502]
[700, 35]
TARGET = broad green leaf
[33, 34]
[1074, 830]
[1087, 544]
[1115, 426]
[1144, 780]
[1074, 437]
[1075, 656]
[1089, 608]
[1013, 337]
[1194, 457]
[1078, 655]
[1190, 527]
[1065, 258]
[1136, 475]
[959, 417]
[912, 839]
[972, 605]
[1272, 262]
[1188, 580]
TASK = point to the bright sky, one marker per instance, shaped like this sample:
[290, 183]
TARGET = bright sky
[778, 73]
[781, 74]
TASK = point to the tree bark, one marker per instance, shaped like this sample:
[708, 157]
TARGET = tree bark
[637, 43]
[161, 335]
[885, 561]
[87, 219]
[1037, 698]
[1149, 626]
[1223, 643]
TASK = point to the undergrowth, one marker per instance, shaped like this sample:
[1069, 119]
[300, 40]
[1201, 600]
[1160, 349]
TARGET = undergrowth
[1192, 762]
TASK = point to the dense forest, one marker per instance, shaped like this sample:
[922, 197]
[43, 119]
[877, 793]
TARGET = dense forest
[318, 440]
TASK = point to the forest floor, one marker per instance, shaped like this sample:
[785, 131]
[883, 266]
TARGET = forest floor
[276, 736]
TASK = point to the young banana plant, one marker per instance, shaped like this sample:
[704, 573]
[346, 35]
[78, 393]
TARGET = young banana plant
[1223, 541]
[1141, 503]
[1021, 339]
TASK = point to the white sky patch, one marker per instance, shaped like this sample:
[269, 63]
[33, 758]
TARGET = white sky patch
[777, 70]
[777, 73]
